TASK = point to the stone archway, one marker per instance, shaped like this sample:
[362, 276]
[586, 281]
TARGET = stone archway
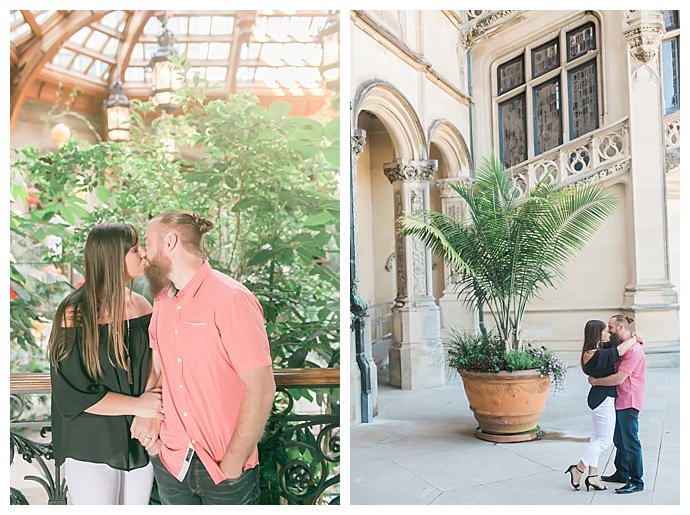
[415, 352]
[446, 141]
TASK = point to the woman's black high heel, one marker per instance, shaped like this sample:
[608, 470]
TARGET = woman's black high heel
[570, 470]
[588, 484]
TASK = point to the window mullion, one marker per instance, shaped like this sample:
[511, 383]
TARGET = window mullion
[529, 104]
[565, 90]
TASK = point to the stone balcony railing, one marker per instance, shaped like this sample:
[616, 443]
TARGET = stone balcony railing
[672, 140]
[592, 157]
[299, 452]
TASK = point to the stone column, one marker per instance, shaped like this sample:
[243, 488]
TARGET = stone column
[456, 314]
[363, 384]
[416, 352]
[649, 295]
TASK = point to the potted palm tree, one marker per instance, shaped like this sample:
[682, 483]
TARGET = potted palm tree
[511, 247]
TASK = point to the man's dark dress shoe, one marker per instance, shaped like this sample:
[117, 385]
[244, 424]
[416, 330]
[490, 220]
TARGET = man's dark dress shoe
[614, 478]
[629, 488]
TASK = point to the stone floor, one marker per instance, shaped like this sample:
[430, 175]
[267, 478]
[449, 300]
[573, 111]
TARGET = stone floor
[421, 449]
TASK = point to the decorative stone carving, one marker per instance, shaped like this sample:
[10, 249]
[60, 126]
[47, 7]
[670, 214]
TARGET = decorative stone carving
[672, 132]
[357, 141]
[643, 31]
[419, 255]
[454, 210]
[479, 25]
[445, 188]
[644, 42]
[672, 158]
[399, 251]
[620, 168]
[420, 171]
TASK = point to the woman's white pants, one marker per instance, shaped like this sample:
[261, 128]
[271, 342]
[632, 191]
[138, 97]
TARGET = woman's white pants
[97, 483]
[603, 425]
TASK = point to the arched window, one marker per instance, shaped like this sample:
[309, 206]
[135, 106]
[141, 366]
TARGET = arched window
[670, 61]
[548, 93]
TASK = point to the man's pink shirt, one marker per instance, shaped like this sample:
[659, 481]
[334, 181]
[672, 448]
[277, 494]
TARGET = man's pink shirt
[207, 334]
[630, 393]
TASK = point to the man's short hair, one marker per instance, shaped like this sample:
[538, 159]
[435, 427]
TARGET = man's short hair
[623, 319]
[190, 225]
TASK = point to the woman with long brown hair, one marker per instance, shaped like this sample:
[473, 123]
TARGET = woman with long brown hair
[598, 359]
[99, 369]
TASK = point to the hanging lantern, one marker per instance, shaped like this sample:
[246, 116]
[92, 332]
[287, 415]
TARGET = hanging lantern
[164, 76]
[117, 113]
[60, 134]
[330, 52]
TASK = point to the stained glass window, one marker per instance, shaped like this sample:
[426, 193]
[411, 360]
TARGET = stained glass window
[670, 62]
[584, 111]
[513, 129]
[547, 114]
[580, 41]
[562, 79]
[545, 58]
[671, 20]
[511, 75]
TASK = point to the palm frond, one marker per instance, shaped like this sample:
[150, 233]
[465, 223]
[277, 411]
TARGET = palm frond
[509, 249]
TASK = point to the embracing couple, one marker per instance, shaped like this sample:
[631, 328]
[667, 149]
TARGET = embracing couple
[181, 390]
[613, 358]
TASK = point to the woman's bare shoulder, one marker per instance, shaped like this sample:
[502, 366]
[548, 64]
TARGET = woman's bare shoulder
[140, 304]
[589, 354]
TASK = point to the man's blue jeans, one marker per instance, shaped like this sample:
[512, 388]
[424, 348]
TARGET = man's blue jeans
[198, 487]
[628, 458]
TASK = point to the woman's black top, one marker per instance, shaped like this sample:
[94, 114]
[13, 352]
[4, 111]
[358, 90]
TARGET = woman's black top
[99, 438]
[601, 364]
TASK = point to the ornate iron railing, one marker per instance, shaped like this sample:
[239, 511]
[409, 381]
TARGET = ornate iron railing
[299, 453]
[593, 156]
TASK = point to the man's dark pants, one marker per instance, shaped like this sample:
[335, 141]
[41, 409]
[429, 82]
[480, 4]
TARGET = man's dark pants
[628, 458]
[198, 487]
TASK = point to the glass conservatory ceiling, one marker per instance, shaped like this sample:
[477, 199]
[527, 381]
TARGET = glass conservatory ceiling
[270, 52]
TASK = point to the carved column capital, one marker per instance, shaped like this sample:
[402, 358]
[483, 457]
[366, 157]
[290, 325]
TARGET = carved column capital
[445, 188]
[416, 170]
[478, 24]
[357, 142]
[643, 31]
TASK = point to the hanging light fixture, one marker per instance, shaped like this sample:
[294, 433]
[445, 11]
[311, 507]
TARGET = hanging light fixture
[117, 109]
[330, 52]
[164, 76]
[60, 134]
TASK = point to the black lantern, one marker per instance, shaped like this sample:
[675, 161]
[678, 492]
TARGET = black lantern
[117, 113]
[164, 77]
[330, 52]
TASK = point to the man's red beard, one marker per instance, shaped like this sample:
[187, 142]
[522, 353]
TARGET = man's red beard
[157, 272]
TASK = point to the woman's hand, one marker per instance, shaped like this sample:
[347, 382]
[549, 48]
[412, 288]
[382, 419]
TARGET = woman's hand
[145, 430]
[154, 447]
[150, 405]
[639, 338]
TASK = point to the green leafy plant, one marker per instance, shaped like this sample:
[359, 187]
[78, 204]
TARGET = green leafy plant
[485, 352]
[511, 246]
[267, 180]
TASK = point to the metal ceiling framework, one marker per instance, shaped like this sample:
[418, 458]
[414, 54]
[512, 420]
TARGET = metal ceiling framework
[274, 54]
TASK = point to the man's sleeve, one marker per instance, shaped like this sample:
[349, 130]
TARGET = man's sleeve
[630, 361]
[153, 324]
[242, 331]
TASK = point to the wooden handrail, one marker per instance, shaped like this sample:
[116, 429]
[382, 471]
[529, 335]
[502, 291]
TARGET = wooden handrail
[285, 377]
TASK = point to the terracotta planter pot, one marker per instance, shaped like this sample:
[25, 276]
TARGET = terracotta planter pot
[507, 405]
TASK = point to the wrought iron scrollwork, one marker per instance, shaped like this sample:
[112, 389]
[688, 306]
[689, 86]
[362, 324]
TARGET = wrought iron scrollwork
[300, 456]
[52, 482]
